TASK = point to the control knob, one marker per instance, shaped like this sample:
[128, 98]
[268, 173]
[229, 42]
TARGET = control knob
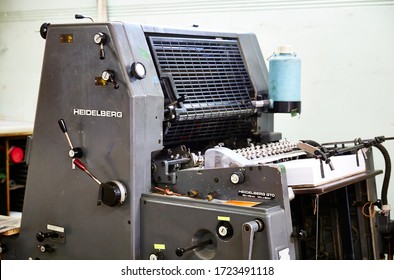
[156, 256]
[237, 177]
[109, 76]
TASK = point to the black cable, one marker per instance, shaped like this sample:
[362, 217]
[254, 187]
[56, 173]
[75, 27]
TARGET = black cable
[376, 142]
[387, 172]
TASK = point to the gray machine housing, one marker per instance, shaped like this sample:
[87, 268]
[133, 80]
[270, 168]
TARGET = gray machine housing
[144, 104]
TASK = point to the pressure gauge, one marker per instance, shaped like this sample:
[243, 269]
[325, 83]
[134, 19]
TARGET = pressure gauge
[138, 70]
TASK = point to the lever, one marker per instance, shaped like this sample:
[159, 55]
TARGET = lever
[109, 76]
[100, 38]
[73, 152]
[180, 251]
[41, 236]
[317, 153]
[111, 193]
[248, 231]
[181, 98]
[81, 166]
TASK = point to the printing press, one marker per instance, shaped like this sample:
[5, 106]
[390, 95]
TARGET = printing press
[159, 143]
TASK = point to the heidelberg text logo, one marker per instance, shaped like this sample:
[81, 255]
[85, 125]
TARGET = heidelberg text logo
[98, 113]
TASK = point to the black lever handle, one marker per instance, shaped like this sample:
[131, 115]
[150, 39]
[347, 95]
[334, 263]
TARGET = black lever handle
[41, 236]
[62, 125]
[73, 152]
[180, 251]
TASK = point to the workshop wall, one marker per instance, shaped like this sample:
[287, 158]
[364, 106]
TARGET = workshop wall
[346, 49]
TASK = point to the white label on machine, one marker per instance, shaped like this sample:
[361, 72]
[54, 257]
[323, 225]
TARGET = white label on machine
[284, 254]
[55, 228]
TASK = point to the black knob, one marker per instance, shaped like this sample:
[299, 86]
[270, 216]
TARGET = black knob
[41, 236]
[44, 30]
[112, 193]
[75, 153]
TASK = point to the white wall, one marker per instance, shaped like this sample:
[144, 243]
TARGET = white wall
[346, 47]
[22, 48]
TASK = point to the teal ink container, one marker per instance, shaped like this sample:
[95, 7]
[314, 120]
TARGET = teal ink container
[285, 81]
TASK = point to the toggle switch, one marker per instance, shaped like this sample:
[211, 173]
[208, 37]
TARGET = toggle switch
[100, 39]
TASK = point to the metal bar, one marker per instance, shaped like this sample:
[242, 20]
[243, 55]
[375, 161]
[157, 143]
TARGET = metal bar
[345, 224]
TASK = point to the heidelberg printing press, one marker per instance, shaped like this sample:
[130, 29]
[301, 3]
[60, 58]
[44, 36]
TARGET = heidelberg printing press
[158, 143]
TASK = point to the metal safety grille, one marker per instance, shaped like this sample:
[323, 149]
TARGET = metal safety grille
[200, 130]
[212, 77]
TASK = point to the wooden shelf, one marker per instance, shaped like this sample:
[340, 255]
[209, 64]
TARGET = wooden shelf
[12, 133]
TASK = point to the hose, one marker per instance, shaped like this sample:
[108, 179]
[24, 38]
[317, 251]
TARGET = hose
[387, 172]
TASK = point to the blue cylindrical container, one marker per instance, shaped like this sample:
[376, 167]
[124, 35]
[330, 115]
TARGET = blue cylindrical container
[285, 81]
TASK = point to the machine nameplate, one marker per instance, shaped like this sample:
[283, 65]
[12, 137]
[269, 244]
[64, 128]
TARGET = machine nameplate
[256, 194]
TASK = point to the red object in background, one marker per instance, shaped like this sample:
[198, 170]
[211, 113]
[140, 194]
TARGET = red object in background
[16, 154]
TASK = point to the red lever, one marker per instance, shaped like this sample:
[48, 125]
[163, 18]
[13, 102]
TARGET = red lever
[82, 166]
[79, 164]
